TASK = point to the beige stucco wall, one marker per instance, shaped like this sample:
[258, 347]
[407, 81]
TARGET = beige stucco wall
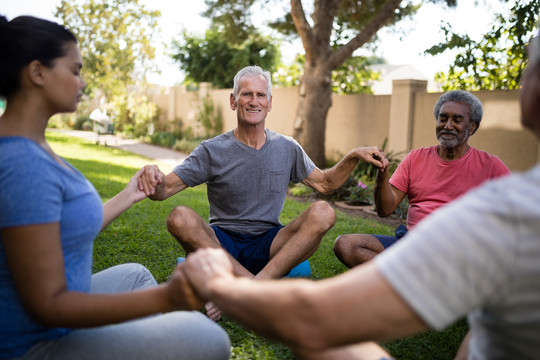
[405, 118]
[356, 120]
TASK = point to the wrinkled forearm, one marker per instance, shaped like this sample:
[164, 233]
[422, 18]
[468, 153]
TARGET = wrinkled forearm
[160, 193]
[329, 180]
[170, 185]
[278, 309]
[353, 307]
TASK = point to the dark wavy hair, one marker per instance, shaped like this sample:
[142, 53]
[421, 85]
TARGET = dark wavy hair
[25, 39]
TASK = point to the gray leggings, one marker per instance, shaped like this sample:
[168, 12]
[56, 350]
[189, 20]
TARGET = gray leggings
[175, 335]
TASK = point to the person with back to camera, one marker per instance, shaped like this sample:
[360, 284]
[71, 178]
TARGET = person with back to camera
[431, 177]
[247, 172]
[51, 306]
[477, 256]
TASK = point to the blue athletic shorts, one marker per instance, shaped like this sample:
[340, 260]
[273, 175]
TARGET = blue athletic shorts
[388, 240]
[252, 251]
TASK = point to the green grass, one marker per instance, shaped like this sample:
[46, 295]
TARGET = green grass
[140, 235]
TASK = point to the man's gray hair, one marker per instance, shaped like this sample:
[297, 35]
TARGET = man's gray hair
[464, 97]
[253, 70]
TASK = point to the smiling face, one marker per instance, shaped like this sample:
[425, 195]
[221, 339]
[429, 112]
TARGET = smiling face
[454, 124]
[63, 84]
[252, 103]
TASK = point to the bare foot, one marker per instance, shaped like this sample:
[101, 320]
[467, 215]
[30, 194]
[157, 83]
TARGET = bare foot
[212, 311]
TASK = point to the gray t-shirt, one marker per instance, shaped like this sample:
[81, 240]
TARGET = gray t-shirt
[246, 187]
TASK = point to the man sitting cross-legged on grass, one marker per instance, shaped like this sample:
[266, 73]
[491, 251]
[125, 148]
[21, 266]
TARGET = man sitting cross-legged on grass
[431, 177]
[247, 172]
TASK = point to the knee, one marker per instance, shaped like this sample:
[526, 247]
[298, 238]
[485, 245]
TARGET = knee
[180, 219]
[323, 215]
[340, 245]
[142, 276]
[344, 245]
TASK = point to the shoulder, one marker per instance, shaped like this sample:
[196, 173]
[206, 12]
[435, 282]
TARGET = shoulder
[484, 155]
[22, 154]
[488, 159]
[282, 140]
[217, 143]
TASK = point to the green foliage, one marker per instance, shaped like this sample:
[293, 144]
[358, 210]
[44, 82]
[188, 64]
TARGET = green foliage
[135, 115]
[186, 145]
[289, 75]
[215, 59]
[210, 118]
[360, 194]
[234, 17]
[496, 61]
[115, 41]
[114, 37]
[300, 190]
[162, 138]
[352, 77]
[367, 171]
[140, 235]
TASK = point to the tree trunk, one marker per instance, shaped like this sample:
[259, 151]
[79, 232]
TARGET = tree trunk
[321, 59]
[315, 101]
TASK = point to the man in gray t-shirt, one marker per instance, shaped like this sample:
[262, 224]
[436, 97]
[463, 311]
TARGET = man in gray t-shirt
[247, 172]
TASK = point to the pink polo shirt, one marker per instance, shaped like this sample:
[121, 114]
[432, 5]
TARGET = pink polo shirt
[431, 182]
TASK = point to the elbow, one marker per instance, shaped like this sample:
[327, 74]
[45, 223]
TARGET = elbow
[326, 188]
[43, 316]
[325, 191]
[383, 213]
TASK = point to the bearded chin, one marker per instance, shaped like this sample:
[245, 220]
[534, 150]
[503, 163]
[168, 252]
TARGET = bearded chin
[455, 141]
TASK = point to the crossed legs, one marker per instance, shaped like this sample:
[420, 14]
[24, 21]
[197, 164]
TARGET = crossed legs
[294, 243]
[356, 249]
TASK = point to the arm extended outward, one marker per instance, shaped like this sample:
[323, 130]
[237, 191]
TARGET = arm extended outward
[157, 186]
[329, 180]
[35, 258]
[353, 307]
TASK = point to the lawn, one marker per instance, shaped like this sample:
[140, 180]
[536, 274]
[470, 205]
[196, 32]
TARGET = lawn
[140, 235]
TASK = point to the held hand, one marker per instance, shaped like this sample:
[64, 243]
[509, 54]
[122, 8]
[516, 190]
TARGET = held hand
[373, 155]
[132, 188]
[150, 178]
[205, 267]
[181, 293]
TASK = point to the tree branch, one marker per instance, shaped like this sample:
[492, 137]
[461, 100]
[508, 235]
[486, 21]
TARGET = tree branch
[380, 20]
[323, 20]
[302, 27]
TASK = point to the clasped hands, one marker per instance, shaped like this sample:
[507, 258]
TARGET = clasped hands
[193, 281]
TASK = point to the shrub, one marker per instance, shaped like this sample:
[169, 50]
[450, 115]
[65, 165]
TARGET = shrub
[361, 194]
[186, 146]
[162, 138]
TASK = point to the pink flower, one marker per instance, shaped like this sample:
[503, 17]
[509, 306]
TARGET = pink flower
[362, 185]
